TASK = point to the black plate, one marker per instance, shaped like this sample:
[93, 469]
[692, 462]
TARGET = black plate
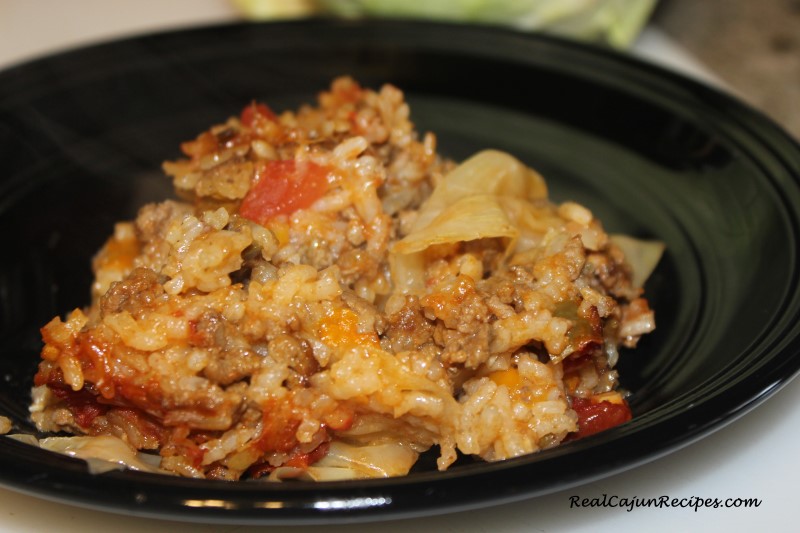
[651, 153]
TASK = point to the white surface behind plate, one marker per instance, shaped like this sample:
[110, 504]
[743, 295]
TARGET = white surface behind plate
[756, 457]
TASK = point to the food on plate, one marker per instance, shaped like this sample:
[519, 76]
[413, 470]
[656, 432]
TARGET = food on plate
[5, 425]
[331, 297]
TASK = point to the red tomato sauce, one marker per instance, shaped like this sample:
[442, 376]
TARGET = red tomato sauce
[600, 416]
[282, 187]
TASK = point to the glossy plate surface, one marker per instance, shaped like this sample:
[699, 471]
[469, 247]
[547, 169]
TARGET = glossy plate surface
[654, 155]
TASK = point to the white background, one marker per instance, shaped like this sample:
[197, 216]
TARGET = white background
[755, 457]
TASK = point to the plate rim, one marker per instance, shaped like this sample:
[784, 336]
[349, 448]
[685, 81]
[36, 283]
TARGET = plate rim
[772, 139]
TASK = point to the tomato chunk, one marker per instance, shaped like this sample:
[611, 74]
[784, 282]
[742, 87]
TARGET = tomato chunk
[600, 416]
[283, 187]
[255, 111]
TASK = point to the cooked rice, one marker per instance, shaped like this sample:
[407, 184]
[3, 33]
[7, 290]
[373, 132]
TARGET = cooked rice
[239, 342]
[5, 425]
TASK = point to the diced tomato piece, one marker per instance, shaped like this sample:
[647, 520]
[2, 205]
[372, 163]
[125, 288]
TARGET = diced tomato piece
[251, 113]
[600, 416]
[283, 187]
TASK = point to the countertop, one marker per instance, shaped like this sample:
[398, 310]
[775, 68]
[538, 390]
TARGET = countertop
[754, 457]
[752, 46]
